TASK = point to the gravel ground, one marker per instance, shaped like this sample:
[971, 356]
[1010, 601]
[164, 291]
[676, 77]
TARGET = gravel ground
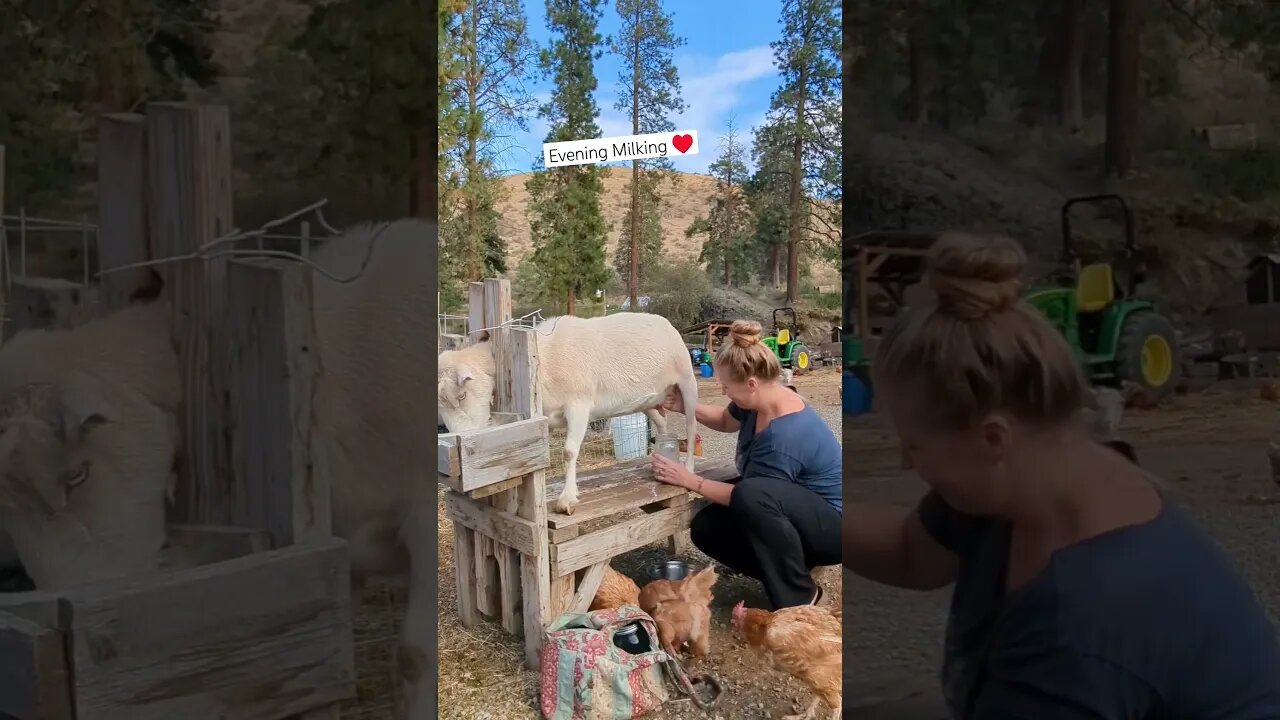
[478, 665]
[1210, 447]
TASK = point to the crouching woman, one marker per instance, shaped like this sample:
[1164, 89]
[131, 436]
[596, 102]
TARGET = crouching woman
[781, 517]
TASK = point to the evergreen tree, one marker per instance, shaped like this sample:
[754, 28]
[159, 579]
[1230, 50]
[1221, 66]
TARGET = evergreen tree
[728, 225]
[649, 88]
[493, 51]
[808, 57]
[564, 203]
[344, 96]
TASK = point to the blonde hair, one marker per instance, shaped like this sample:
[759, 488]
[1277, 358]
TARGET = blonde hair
[745, 356]
[979, 348]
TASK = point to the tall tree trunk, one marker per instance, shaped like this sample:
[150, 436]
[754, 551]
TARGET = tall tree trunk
[472, 129]
[1070, 90]
[573, 305]
[919, 73]
[633, 276]
[1122, 87]
[775, 265]
[113, 67]
[797, 180]
[422, 178]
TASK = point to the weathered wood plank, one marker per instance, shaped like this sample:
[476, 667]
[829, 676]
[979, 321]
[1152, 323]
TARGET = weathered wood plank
[464, 553]
[277, 486]
[41, 607]
[627, 486]
[496, 488]
[587, 587]
[494, 454]
[190, 206]
[122, 206]
[520, 351]
[33, 671]
[204, 544]
[602, 545]
[263, 636]
[562, 589]
[475, 312]
[506, 528]
[486, 575]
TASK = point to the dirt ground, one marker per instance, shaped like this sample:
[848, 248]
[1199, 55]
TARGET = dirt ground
[481, 671]
[1210, 447]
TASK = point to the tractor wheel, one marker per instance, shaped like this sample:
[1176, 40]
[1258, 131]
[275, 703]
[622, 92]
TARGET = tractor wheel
[1147, 354]
[801, 360]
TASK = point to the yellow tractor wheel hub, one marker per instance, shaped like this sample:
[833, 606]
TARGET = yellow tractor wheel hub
[1157, 361]
[802, 360]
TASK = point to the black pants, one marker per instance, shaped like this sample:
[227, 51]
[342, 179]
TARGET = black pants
[773, 531]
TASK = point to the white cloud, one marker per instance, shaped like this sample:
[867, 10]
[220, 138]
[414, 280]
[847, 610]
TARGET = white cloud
[712, 89]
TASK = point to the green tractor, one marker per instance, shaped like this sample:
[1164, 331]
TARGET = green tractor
[1118, 339]
[791, 351]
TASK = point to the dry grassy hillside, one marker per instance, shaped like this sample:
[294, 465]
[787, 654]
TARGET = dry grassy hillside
[685, 200]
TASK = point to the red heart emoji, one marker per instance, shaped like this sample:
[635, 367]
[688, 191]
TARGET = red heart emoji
[682, 142]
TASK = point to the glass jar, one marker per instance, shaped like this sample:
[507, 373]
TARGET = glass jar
[668, 446]
[632, 639]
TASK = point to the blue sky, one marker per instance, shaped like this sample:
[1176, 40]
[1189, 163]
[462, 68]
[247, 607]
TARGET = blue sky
[725, 67]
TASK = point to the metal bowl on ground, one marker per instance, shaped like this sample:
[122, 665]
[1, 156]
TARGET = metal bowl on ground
[672, 570]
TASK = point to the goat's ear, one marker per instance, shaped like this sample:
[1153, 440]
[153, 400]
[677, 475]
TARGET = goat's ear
[465, 374]
[81, 409]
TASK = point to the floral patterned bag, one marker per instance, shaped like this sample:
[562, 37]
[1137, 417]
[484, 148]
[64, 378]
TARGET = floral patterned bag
[584, 676]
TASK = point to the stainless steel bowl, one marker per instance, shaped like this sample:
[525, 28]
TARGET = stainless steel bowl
[673, 570]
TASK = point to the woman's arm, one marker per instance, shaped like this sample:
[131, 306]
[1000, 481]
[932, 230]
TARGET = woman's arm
[891, 546]
[672, 473]
[717, 418]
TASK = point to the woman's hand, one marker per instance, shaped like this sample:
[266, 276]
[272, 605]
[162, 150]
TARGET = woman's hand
[673, 473]
[673, 402]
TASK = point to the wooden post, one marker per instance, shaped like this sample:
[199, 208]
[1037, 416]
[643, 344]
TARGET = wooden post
[515, 353]
[122, 205]
[189, 206]
[277, 486]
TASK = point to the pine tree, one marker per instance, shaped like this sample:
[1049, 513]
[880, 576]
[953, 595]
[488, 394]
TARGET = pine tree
[346, 96]
[650, 203]
[766, 194]
[494, 50]
[729, 224]
[649, 88]
[564, 203]
[808, 58]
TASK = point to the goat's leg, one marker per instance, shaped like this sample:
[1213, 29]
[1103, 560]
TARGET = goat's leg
[576, 418]
[417, 640]
[689, 393]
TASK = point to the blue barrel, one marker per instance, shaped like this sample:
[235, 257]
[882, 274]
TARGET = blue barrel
[705, 369]
[857, 395]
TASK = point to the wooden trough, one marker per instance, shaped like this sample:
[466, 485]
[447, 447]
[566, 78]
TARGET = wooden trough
[262, 628]
[517, 563]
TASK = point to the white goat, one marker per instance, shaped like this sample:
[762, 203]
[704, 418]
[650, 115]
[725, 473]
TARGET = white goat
[87, 441]
[588, 368]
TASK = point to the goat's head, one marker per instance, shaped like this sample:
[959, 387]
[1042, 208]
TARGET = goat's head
[464, 387]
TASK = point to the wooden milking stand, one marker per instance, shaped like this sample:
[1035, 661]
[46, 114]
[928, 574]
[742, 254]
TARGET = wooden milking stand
[516, 562]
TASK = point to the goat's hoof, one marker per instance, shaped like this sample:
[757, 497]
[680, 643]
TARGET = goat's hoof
[565, 505]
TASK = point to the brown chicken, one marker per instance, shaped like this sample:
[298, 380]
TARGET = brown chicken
[682, 611]
[615, 591]
[804, 642]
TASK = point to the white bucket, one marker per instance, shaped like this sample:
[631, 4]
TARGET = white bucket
[630, 436]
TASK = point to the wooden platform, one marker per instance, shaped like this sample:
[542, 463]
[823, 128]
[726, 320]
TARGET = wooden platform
[501, 554]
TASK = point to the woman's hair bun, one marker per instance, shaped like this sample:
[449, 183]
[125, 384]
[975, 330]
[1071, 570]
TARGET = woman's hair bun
[745, 333]
[975, 277]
